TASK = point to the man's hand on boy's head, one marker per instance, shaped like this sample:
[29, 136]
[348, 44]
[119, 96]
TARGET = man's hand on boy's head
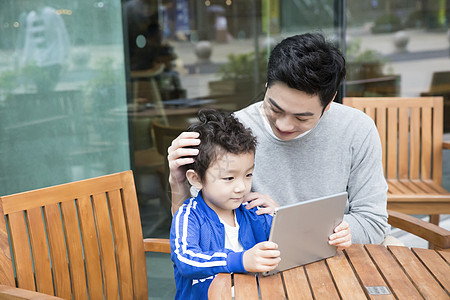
[262, 257]
[342, 236]
[179, 155]
[265, 203]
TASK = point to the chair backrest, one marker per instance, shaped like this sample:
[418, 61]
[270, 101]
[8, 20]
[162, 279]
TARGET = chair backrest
[75, 240]
[410, 130]
[440, 82]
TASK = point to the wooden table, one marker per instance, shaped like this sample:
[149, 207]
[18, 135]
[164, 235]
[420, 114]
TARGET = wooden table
[359, 272]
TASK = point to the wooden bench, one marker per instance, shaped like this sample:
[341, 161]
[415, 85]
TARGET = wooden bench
[74, 241]
[411, 132]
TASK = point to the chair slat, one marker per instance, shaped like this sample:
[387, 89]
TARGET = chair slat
[414, 158]
[90, 247]
[370, 112]
[121, 244]
[381, 127]
[21, 250]
[106, 244]
[426, 134]
[134, 231]
[57, 246]
[6, 271]
[438, 120]
[38, 239]
[75, 251]
[392, 153]
[403, 143]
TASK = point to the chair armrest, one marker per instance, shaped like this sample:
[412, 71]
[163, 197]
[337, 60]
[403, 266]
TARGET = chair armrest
[12, 293]
[434, 234]
[157, 245]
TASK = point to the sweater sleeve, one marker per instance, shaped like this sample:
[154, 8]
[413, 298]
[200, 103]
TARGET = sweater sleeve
[189, 258]
[367, 189]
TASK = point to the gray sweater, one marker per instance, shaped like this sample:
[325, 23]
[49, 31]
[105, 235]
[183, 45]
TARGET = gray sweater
[341, 153]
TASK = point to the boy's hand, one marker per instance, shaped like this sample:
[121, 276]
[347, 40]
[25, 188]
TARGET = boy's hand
[342, 236]
[265, 202]
[262, 257]
[177, 155]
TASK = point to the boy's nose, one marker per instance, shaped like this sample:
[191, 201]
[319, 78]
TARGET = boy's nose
[240, 186]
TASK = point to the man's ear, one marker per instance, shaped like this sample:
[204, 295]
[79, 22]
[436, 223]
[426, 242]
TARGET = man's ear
[329, 104]
[194, 179]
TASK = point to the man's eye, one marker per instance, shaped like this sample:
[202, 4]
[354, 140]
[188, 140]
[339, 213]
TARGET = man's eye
[250, 175]
[228, 178]
[302, 120]
[276, 111]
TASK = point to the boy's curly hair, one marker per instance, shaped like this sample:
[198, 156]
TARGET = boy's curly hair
[219, 133]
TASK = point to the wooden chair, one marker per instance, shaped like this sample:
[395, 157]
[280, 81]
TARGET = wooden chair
[411, 137]
[74, 241]
[435, 235]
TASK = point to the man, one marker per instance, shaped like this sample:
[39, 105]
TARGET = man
[308, 146]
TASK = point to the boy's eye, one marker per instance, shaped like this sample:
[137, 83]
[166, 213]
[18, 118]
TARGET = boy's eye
[250, 175]
[228, 178]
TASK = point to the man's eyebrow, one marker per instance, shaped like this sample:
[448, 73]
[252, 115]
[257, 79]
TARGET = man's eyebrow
[305, 114]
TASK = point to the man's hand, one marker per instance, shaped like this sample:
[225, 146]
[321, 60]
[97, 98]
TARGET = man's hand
[262, 257]
[178, 155]
[265, 203]
[342, 236]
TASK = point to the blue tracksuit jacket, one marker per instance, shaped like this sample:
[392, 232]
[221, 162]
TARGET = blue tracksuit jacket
[197, 241]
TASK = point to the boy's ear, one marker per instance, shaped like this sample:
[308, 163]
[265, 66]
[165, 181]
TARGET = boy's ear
[194, 179]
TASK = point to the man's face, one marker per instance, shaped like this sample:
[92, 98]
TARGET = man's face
[228, 180]
[291, 112]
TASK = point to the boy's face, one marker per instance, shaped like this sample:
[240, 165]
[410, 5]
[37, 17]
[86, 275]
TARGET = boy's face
[291, 112]
[227, 181]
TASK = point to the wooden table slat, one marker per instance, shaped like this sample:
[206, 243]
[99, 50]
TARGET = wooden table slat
[220, 288]
[296, 283]
[398, 281]
[445, 255]
[366, 270]
[437, 266]
[358, 272]
[418, 273]
[320, 280]
[245, 287]
[346, 281]
[271, 287]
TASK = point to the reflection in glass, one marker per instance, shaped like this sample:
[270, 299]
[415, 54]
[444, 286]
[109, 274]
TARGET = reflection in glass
[61, 88]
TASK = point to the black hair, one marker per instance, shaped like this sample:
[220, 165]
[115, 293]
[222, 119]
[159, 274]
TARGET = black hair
[219, 133]
[309, 63]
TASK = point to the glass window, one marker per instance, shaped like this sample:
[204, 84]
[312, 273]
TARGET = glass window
[62, 92]
[185, 55]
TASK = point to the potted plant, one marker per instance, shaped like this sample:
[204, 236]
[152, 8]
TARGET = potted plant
[238, 74]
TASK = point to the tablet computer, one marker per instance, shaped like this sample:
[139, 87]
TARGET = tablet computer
[301, 230]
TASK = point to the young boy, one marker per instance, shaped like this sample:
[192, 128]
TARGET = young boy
[214, 232]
